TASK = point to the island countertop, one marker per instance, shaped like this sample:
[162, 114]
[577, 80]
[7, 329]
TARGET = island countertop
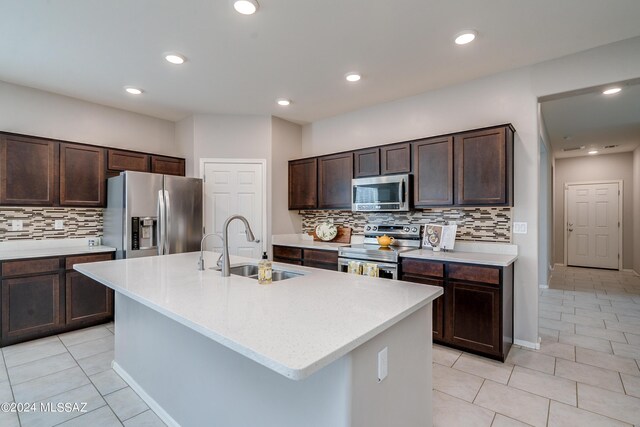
[294, 327]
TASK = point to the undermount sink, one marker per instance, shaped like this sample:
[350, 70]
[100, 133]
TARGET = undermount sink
[251, 271]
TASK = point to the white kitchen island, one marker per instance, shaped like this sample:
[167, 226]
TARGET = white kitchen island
[205, 350]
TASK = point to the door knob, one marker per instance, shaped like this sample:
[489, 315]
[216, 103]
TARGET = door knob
[570, 229]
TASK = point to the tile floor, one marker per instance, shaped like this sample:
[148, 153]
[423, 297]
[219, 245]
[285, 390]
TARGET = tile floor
[71, 367]
[586, 373]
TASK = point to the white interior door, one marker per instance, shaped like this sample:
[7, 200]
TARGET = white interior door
[234, 188]
[593, 233]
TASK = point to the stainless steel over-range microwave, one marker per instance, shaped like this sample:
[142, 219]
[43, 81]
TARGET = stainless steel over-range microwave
[389, 193]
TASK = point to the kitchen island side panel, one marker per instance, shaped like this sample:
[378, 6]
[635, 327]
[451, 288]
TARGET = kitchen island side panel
[191, 380]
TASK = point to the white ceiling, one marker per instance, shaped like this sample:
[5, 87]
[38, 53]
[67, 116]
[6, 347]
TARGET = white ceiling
[594, 120]
[298, 49]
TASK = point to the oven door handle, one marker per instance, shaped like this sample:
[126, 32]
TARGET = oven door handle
[345, 261]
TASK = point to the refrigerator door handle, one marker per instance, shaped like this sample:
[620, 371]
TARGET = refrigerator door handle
[167, 249]
[161, 223]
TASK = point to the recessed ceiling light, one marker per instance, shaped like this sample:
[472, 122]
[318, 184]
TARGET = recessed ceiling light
[283, 102]
[245, 7]
[466, 36]
[133, 90]
[611, 91]
[352, 77]
[175, 58]
[593, 152]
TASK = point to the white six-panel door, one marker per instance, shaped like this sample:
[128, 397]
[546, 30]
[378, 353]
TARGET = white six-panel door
[234, 188]
[592, 227]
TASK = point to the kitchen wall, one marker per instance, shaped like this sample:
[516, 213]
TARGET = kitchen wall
[596, 168]
[501, 98]
[38, 223]
[636, 210]
[545, 230]
[286, 144]
[474, 224]
[35, 112]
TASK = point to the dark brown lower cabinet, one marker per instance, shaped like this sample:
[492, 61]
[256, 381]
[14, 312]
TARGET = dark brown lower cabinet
[324, 259]
[39, 298]
[31, 307]
[475, 313]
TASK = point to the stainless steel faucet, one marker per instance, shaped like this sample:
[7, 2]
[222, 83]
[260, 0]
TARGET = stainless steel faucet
[226, 264]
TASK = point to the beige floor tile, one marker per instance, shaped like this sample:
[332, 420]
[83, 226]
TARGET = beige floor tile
[631, 384]
[553, 315]
[622, 310]
[550, 335]
[583, 320]
[600, 332]
[502, 421]
[107, 382]
[101, 417]
[588, 374]
[449, 411]
[126, 403]
[561, 415]
[100, 362]
[513, 403]
[545, 385]
[532, 360]
[39, 368]
[626, 350]
[623, 327]
[444, 355]
[484, 368]
[558, 308]
[91, 348]
[558, 325]
[585, 342]
[456, 383]
[632, 338]
[561, 350]
[33, 350]
[630, 320]
[581, 304]
[607, 361]
[84, 335]
[596, 314]
[145, 419]
[611, 404]
[50, 385]
[9, 419]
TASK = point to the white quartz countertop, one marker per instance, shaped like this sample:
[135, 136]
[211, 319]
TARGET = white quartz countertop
[500, 260]
[48, 248]
[307, 242]
[294, 327]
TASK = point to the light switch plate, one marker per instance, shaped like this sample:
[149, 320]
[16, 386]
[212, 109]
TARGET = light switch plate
[16, 225]
[519, 228]
[383, 362]
[59, 224]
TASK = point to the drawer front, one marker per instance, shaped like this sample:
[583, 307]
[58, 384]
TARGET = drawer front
[321, 256]
[287, 252]
[81, 259]
[32, 266]
[422, 268]
[475, 273]
[321, 265]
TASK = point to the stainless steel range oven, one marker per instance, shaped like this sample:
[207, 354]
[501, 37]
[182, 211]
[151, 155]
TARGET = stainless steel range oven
[407, 238]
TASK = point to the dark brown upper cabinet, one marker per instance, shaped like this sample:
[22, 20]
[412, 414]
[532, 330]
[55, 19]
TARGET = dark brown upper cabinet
[82, 175]
[433, 172]
[303, 184]
[28, 171]
[484, 167]
[119, 160]
[395, 158]
[366, 163]
[334, 181]
[167, 165]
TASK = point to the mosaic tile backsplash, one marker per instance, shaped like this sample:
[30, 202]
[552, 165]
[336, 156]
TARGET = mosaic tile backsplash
[38, 223]
[474, 224]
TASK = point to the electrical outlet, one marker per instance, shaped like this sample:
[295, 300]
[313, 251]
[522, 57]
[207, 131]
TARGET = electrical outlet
[59, 224]
[16, 225]
[519, 228]
[383, 362]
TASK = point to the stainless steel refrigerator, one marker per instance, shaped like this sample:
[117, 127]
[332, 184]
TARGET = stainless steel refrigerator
[152, 214]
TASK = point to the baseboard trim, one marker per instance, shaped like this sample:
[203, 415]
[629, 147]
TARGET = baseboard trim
[631, 270]
[543, 286]
[151, 403]
[527, 344]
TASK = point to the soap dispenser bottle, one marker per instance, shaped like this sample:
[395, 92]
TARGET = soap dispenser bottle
[264, 270]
